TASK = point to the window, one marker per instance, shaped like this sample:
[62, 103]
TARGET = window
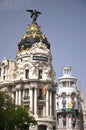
[4, 70]
[21, 59]
[64, 102]
[40, 96]
[73, 121]
[26, 107]
[57, 104]
[64, 120]
[3, 77]
[63, 94]
[26, 93]
[40, 73]
[73, 95]
[26, 73]
[40, 92]
[40, 110]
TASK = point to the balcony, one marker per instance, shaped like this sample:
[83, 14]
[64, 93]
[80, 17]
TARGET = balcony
[26, 99]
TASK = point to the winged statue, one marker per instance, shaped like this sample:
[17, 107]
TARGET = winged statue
[34, 14]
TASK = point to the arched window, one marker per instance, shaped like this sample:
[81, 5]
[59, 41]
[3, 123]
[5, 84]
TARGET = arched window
[64, 102]
[73, 121]
[64, 120]
[42, 127]
[73, 94]
[63, 94]
[40, 74]
[27, 73]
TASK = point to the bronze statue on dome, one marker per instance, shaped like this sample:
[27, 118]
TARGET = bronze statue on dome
[34, 14]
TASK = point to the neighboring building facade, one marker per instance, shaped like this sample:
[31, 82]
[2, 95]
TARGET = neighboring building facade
[84, 114]
[68, 102]
[29, 79]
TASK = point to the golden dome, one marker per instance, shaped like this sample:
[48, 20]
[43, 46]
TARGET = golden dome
[33, 35]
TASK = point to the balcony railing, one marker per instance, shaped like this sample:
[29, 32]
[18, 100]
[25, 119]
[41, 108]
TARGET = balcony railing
[41, 100]
[26, 99]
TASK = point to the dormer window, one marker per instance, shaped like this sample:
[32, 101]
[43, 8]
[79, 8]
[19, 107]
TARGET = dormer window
[4, 70]
[27, 73]
[3, 77]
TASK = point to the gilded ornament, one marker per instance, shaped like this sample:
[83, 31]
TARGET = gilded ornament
[69, 105]
[34, 34]
[22, 47]
[34, 27]
[43, 36]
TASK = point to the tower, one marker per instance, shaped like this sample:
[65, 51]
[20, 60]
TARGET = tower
[68, 102]
[29, 79]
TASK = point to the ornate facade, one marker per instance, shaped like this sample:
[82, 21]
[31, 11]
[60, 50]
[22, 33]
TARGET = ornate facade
[68, 102]
[29, 79]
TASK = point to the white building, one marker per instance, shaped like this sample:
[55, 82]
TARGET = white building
[68, 102]
[29, 79]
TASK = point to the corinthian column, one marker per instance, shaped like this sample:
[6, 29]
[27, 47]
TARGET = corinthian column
[16, 97]
[31, 99]
[47, 103]
[50, 103]
[19, 97]
[35, 101]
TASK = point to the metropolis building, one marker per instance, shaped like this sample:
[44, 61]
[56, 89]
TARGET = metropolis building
[30, 78]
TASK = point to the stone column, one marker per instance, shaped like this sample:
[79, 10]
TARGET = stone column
[54, 106]
[47, 105]
[19, 97]
[12, 95]
[35, 101]
[23, 93]
[16, 97]
[31, 103]
[69, 84]
[50, 103]
[44, 107]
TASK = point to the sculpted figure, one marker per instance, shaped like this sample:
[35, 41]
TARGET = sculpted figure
[34, 14]
[47, 71]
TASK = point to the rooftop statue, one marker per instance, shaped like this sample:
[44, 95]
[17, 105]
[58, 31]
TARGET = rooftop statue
[34, 14]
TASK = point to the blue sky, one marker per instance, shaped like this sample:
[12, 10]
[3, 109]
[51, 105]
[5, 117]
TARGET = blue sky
[62, 21]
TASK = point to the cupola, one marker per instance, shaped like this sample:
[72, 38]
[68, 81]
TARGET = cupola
[33, 35]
